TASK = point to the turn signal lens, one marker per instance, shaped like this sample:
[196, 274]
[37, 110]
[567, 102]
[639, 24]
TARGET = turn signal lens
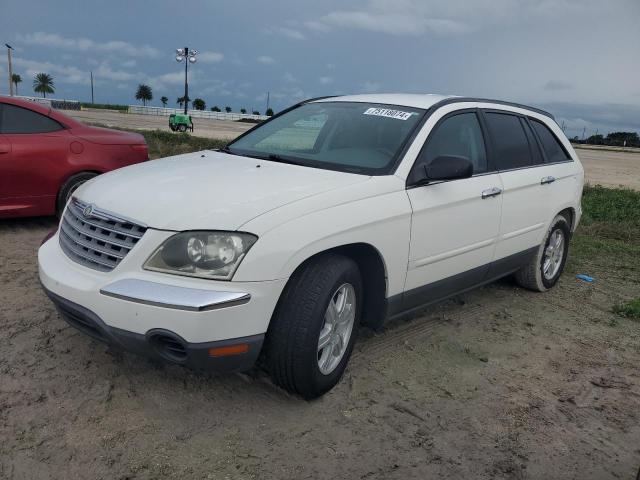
[229, 350]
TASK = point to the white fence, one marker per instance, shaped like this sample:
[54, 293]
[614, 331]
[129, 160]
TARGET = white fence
[165, 112]
[53, 102]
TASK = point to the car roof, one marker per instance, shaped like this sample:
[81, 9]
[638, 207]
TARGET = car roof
[31, 105]
[425, 101]
[42, 109]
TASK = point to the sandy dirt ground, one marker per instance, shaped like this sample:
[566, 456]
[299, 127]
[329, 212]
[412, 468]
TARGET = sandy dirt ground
[602, 167]
[611, 168]
[500, 383]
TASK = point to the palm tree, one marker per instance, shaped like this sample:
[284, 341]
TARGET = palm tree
[227, 109]
[43, 83]
[144, 93]
[215, 109]
[164, 101]
[16, 79]
[180, 100]
[243, 111]
[199, 104]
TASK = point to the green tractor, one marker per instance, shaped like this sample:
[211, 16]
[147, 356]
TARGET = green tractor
[180, 122]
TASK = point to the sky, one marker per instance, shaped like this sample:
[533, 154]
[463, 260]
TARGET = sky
[578, 59]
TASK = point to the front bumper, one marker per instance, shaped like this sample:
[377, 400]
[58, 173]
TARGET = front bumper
[164, 344]
[135, 309]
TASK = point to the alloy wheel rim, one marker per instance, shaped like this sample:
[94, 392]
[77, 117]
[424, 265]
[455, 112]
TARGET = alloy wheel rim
[553, 255]
[335, 333]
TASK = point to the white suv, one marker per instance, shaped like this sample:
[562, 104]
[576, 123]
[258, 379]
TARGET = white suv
[337, 213]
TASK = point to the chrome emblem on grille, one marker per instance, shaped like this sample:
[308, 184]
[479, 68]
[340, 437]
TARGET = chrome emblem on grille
[88, 211]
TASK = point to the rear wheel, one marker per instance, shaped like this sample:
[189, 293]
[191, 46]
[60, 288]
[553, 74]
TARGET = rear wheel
[314, 328]
[544, 270]
[182, 128]
[69, 187]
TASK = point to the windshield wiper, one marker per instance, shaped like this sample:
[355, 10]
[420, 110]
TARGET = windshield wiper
[226, 149]
[279, 158]
[273, 157]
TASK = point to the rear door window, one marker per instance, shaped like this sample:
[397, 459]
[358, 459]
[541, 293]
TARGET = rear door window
[21, 120]
[509, 141]
[553, 149]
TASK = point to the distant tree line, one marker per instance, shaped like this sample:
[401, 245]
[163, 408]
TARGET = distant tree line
[613, 139]
[43, 84]
[144, 93]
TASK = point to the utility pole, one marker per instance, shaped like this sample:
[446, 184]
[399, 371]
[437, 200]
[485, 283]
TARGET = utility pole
[268, 94]
[584, 130]
[9, 48]
[92, 102]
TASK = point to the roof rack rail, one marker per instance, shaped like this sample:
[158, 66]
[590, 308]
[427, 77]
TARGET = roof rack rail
[450, 100]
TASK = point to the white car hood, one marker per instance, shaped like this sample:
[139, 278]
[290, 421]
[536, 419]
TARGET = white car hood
[207, 190]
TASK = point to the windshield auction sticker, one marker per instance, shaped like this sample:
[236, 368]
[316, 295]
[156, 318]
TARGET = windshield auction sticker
[385, 112]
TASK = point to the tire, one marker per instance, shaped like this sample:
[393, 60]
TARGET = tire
[70, 186]
[293, 354]
[538, 275]
[182, 128]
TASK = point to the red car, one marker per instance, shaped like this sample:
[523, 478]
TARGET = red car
[45, 155]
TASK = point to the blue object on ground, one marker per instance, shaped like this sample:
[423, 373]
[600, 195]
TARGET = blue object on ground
[585, 278]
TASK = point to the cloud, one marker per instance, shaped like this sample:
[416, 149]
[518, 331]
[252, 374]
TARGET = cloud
[265, 59]
[370, 86]
[286, 32]
[60, 73]
[605, 117]
[442, 17]
[394, 23]
[210, 57]
[53, 40]
[289, 78]
[325, 80]
[317, 26]
[104, 71]
[556, 85]
[167, 80]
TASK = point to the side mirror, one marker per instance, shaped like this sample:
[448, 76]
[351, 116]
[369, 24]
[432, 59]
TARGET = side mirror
[448, 167]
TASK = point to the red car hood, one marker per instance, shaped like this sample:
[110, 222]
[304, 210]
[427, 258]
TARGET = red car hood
[105, 136]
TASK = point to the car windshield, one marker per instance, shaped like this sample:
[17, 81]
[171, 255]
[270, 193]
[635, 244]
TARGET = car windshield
[364, 138]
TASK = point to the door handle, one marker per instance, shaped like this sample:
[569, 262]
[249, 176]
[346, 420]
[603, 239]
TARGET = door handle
[491, 192]
[5, 148]
[546, 180]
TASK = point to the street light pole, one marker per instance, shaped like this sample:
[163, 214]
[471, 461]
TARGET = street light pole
[9, 48]
[189, 56]
[186, 83]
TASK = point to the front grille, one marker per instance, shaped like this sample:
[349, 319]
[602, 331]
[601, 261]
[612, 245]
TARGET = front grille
[95, 238]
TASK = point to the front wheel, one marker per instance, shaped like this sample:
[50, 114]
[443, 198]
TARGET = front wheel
[545, 268]
[315, 325]
[182, 128]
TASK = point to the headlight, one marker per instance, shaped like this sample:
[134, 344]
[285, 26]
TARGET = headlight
[213, 255]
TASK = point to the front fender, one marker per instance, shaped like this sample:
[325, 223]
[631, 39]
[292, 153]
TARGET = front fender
[382, 221]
